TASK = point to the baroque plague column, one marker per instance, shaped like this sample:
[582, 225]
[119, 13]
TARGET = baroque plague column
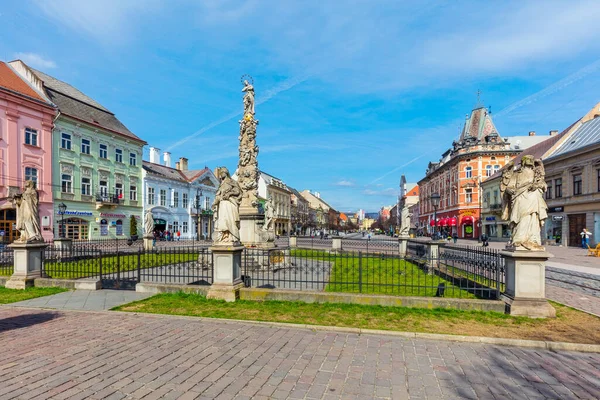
[252, 216]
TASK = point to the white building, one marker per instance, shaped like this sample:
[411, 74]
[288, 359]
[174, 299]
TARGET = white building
[180, 199]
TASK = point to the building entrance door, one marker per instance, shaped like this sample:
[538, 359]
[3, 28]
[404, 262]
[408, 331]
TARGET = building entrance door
[8, 231]
[576, 225]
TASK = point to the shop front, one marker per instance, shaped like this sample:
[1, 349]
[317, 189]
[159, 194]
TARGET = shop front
[84, 225]
[552, 230]
[467, 224]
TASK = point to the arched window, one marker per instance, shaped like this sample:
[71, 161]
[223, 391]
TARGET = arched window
[103, 227]
[496, 168]
[488, 170]
[119, 227]
[469, 172]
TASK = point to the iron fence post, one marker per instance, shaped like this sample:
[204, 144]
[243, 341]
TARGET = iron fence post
[498, 263]
[360, 271]
[100, 265]
[139, 267]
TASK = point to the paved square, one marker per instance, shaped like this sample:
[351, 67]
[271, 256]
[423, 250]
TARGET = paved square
[91, 300]
[100, 355]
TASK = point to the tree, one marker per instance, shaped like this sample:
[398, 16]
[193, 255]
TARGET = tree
[133, 226]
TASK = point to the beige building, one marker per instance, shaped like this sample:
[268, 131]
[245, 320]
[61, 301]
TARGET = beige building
[320, 208]
[274, 188]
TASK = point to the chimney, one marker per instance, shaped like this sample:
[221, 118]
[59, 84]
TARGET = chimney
[317, 195]
[183, 163]
[155, 155]
[531, 133]
[553, 133]
[177, 167]
[167, 158]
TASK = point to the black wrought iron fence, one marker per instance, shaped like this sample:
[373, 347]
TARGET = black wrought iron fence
[7, 260]
[123, 269]
[358, 272]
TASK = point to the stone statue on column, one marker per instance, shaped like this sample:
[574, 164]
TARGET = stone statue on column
[523, 203]
[404, 221]
[28, 215]
[248, 98]
[226, 209]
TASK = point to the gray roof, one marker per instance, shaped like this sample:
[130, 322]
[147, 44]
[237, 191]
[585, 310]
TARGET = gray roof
[297, 194]
[72, 102]
[163, 171]
[62, 87]
[587, 134]
[524, 142]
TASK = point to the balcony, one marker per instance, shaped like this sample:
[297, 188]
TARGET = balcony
[109, 200]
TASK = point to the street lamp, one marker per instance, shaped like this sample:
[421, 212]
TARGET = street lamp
[435, 201]
[62, 207]
[198, 197]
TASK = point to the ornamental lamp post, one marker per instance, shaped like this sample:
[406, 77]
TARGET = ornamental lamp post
[435, 201]
[62, 208]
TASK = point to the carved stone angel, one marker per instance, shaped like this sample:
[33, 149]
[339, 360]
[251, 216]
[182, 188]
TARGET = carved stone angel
[523, 204]
[226, 209]
[404, 221]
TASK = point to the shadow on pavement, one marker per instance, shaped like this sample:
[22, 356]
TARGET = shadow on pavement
[26, 320]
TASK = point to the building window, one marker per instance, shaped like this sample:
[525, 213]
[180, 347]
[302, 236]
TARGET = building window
[119, 227]
[469, 171]
[65, 141]
[184, 200]
[85, 146]
[163, 197]
[469, 197]
[31, 136]
[103, 151]
[488, 170]
[577, 184]
[119, 155]
[67, 183]
[206, 203]
[86, 186]
[175, 226]
[496, 168]
[133, 193]
[558, 188]
[549, 190]
[103, 185]
[176, 199]
[495, 197]
[132, 159]
[598, 172]
[184, 227]
[151, 196]
[31, 174]
[119, 190]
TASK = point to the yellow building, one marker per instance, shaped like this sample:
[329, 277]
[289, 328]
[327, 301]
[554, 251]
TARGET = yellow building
[366, 224]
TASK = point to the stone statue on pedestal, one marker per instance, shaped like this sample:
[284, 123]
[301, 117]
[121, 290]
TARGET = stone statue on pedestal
[28, 215]
[226, 209]
[404, 221]
[248, 98]
[523, 203]
[148, 223]
[269, 215]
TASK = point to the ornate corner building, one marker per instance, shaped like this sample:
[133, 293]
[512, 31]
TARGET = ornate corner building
[457, 176]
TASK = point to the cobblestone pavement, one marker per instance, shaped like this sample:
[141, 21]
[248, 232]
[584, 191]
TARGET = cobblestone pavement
[584, 302]
[104, 355]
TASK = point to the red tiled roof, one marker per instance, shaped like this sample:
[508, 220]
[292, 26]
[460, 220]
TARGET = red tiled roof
[11, 81]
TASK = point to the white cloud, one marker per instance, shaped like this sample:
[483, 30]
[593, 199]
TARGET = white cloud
[36, 60]
[384, 192]
[344, 182]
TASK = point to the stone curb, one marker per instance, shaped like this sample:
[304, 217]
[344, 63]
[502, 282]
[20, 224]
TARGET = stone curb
[534, 344]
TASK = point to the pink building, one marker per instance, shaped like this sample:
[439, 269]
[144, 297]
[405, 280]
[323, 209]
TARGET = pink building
[26, 118]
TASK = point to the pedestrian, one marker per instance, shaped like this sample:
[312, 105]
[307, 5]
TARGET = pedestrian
[585, 237]
[178, 235]
[154, 239]
[484, 240]
[455, 237]
[322, 234]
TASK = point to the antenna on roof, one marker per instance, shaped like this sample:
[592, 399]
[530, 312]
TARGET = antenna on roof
[479, 103]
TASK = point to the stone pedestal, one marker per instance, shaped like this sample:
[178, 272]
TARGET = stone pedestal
[252, 233]
[433, 255]
[148, 240]
[336, 243]
[227, 274]
[63, 244]
[525, 292]
[293, 241]
[403, 245]
[28, 264]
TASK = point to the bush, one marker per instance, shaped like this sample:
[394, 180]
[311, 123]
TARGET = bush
[133, 226]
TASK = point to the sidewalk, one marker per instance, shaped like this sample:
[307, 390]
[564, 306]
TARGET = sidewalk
[89, 300]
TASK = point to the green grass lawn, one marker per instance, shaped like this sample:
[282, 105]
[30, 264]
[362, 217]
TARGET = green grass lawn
[6, 270]
[569, 326]
[380, 274]
[110, 264]
[14, 295]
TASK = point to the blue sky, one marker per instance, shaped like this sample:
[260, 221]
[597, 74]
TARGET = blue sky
[352, 93]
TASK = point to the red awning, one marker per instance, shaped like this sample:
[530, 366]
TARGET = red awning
[443, 222]
[432, 222]
[467, 220]
[452, 221]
